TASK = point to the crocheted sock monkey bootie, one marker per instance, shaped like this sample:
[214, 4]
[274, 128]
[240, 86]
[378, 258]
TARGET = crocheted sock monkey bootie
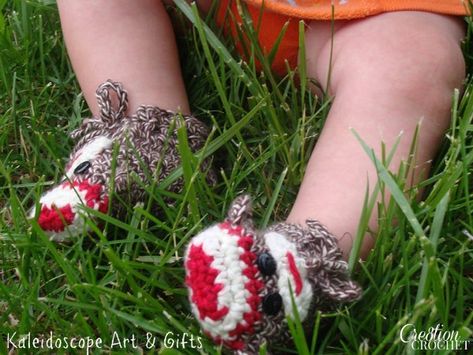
[241, 280]
[115, 154]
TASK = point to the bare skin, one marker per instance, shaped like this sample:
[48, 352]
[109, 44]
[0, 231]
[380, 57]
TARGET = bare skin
[388, 72]
[122, 41]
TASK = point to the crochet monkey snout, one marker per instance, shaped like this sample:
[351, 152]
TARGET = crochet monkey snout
[61, 209]
[224, 283]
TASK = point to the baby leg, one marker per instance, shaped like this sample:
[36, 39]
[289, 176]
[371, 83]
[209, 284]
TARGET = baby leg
[389, 72]
[132, 42]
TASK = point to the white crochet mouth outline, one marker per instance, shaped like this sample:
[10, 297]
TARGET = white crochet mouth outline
[222, 245]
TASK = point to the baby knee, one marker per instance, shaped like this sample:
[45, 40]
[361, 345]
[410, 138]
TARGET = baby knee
[441, 69]
[440, 64]
[428, 75]
[426, 72]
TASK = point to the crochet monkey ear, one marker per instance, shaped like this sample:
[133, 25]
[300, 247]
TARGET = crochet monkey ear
[240, 211]
[326, 267]
[111, 111]
[341, 290]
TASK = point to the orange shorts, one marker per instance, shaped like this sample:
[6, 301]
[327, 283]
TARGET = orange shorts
[277, 12]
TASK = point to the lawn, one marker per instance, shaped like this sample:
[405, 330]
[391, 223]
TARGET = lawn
[126, 281]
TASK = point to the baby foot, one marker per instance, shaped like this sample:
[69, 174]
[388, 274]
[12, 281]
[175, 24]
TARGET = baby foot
[115, 154]
[242, 281]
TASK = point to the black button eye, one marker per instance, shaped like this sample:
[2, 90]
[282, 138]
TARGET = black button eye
[266, 264]
[82, 167]
[272, 304]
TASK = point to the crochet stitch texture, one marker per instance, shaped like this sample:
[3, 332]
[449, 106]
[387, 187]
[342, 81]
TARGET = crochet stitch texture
[117, 154]
[242, 281]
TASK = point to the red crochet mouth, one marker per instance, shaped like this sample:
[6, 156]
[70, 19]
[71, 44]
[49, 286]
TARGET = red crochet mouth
[55, 215]
[295, 272]
[55, 219]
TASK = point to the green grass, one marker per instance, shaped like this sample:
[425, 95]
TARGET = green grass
[128, 278]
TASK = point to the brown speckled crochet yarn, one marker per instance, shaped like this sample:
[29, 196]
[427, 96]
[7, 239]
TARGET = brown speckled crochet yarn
[118, 151]
[241, 280]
